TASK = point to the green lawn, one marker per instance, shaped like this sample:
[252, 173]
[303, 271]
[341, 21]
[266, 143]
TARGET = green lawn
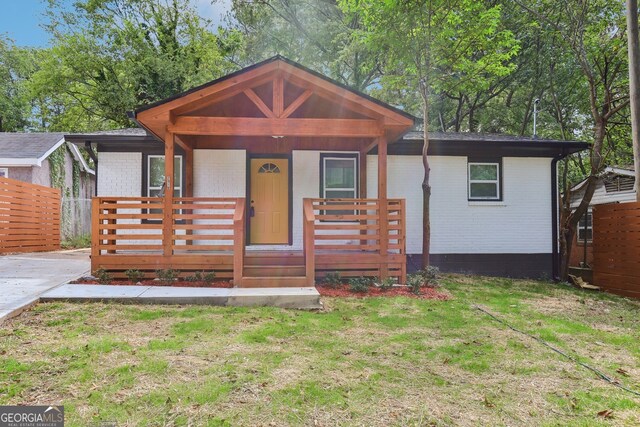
[375, 361]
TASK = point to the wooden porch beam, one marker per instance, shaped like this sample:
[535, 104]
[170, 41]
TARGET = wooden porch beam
[370, 146]
[278, 96]
[167, 219]
[249, 126]
[200, 98]
[186, 147]
[259, 103]
[297, 103]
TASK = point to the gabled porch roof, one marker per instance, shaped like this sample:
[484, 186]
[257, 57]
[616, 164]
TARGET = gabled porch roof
[276, 97]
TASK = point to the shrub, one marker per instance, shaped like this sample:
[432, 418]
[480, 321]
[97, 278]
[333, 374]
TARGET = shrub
[209, 277]
[431, 275]
[360, 284]
[332, 279]
[415, 281]
[167, 276]
[387, 283]
[77, 242]
[195, 277]
[134, 275]
[201, 277]
[103, 276]
[426, 277]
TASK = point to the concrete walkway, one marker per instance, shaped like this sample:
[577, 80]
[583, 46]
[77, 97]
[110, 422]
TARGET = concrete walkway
[23, 278]
[302, 298]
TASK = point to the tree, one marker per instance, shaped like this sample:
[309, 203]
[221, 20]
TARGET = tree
[634, 86]
[110, 56]
[16, 67]
[593, 32]
[434, 46]
[316, 33]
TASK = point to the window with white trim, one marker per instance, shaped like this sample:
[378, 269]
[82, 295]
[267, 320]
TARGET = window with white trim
[585, 227]
[339, 177]
[4, 172]
[484, 180]
[155, 176]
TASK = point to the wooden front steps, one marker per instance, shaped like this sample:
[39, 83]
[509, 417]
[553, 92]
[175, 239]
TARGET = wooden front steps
[273, 269]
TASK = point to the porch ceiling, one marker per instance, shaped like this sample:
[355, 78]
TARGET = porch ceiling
[275, 98]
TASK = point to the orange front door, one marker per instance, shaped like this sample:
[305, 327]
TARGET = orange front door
[269, 202]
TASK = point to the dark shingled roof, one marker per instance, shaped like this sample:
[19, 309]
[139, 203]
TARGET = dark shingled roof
[14, 145]
[113, 132]
[416, 135]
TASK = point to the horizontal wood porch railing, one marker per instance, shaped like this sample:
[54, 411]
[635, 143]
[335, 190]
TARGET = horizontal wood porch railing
[205, 232]
[347, 235]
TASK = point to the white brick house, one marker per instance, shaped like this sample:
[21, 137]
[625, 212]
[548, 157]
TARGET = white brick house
[494, 197]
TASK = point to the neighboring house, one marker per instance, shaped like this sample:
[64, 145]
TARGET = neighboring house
[286, 139]
[615, 185]
[28, 157]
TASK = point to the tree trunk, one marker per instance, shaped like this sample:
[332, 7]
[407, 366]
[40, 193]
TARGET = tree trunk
[569, 223]
[634, 86]
[426, 187]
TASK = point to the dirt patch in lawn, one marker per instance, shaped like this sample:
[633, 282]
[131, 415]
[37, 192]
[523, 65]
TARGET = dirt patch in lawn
[374, 291]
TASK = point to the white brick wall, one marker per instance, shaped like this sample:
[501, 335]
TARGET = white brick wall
[521, 223]
[306, 183]
[120, 174]
[219, 173]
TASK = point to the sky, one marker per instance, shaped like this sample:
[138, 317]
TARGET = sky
[21, 20]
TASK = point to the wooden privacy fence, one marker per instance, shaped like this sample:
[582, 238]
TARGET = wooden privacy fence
[128, 234]
[616, 248]
[29, 217]
[347, 235]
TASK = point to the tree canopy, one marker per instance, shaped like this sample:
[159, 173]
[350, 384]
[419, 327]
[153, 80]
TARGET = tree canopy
[488, 61]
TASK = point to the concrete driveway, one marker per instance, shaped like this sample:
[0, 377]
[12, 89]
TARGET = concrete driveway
[24, 277]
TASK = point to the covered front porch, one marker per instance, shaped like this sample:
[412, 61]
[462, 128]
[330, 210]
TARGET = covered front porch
[209, 234]
[264, 114]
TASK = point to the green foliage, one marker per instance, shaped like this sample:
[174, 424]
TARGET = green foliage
[168, 276]
[209, 277]
[387, 283]
[134, 275]
[415, 282]
[110, 56]
[427, 277]
[360, 284]
[206, 277]
[17, 65]
[317, 34]
[77, 242]
[57, 172]
[420, 53]
[103, 276]
[332, 279]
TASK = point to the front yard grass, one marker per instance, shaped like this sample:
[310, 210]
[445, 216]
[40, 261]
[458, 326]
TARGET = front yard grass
[372, 361]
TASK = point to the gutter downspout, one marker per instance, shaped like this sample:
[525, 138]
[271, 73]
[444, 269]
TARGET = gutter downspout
[92, 154]
[555, 262]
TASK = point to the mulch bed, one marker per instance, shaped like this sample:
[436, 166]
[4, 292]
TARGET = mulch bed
[175, 284]
[324, 290]
[396, 291]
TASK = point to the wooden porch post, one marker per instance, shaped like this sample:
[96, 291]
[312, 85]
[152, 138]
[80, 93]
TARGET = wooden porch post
[363, 190]
[383, 206]
[363, 174]
[188, 186]
[167, 219]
